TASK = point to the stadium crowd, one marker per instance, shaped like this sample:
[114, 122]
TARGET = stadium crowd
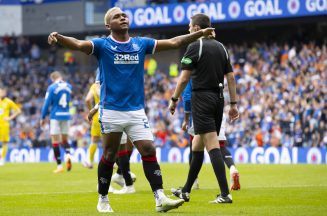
[282, 94]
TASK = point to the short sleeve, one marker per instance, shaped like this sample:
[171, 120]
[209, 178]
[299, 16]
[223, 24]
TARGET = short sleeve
[97, 77]
[150, 44]
[13, 105]
[96, 46]
[190, 58]
[228, 66]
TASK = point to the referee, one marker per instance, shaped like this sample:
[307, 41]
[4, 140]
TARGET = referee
[206, 62]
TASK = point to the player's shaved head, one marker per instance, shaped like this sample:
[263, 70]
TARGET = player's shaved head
[108, 15]
[55, 75]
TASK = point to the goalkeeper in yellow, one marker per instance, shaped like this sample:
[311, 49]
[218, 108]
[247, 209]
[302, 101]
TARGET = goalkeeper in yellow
[8, 111]
[93, 97]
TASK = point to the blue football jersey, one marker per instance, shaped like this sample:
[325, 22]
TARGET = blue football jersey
[121, 66]
[187, 95]
[57, 99]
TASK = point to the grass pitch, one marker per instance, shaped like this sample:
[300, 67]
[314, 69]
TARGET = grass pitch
[32, 189]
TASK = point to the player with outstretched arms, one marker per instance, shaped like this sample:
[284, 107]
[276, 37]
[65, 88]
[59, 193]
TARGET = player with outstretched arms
[121, 63]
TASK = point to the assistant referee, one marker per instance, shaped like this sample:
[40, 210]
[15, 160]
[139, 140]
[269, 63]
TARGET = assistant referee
[206, 62]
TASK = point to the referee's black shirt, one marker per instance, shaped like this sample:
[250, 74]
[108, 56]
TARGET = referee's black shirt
[209, 61]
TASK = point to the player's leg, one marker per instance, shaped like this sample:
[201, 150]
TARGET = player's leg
[195, 167]
[228, 159]
[64, 126]
[110, 142]
[95, 140]
[4, 139]
[207, 117]
[55, 141]
[140, 133]
[111, 136]
[126, 181]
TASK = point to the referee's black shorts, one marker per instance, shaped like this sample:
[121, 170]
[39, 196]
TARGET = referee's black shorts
[207, 111]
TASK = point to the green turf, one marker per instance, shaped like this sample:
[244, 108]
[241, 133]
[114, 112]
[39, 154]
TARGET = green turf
[32, 189]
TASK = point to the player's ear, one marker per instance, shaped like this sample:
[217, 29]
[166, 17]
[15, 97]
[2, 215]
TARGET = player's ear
[108, 27]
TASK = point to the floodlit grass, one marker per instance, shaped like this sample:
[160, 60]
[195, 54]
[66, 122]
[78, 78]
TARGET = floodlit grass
[32, 189]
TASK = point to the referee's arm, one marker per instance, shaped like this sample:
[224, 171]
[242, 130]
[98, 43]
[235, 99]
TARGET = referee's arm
[182, 82]
[231, 86]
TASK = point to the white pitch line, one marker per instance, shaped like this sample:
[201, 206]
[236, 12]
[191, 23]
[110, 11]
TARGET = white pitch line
[206, 188]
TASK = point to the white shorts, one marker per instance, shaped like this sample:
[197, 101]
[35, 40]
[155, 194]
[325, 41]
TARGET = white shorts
[221, 135]
[59, 127]
[134, 123]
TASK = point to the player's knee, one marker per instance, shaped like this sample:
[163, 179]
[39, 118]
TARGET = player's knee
[109, 155]
[148, 150]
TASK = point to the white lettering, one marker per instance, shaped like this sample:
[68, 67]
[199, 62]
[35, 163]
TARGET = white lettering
[295, 155]
[316, 5]
[24, 155]
[257, 155]
[179, 13]
[214, 11]
[186, 155]
[285, 157]
[272, 151]
[261, 8]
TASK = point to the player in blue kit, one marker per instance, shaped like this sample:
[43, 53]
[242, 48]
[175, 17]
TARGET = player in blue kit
[121, 63]
[57, 99]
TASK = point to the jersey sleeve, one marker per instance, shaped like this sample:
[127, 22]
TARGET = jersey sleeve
[187, 93]
[228, 66]
[96, 46]
[150, 45]
[47, 100]
[13, 105]
[190, 58]
[97, 77]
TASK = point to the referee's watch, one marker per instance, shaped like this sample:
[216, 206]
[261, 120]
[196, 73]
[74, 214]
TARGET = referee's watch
[174, 99]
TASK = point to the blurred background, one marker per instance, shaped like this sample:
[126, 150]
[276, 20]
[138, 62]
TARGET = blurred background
[278, 52]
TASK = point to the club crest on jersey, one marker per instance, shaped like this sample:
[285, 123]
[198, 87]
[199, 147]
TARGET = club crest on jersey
[126, 59]
[135, 46]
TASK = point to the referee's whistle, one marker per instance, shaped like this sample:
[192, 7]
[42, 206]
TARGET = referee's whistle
[221, 90]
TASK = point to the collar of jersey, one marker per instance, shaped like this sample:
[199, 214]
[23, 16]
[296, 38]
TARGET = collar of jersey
[125, 42]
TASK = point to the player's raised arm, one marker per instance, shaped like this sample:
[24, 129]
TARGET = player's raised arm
[70, 42]
[179, 41]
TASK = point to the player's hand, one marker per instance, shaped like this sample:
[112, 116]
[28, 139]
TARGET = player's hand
[233, 113]
[172, 107]
[52, 38]
[92, 112]
[42, 123]
[185, 125]
[209, 32]
[6, 119]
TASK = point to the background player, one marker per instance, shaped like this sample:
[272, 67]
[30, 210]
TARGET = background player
[6, 107]
[57, 99]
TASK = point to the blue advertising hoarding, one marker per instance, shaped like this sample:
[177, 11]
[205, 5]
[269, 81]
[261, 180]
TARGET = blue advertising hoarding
[24, 2]
[224, 11]
[256, 155]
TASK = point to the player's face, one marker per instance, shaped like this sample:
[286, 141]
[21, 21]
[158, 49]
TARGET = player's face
[118, 21]
[3, 93]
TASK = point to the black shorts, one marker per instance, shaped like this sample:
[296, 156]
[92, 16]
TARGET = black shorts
[207, 111]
